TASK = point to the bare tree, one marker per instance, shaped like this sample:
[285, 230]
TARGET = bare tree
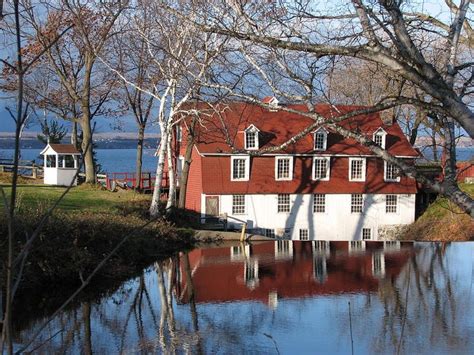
[73, 60]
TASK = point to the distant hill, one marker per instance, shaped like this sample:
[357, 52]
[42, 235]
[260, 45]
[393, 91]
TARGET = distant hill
[113, 140]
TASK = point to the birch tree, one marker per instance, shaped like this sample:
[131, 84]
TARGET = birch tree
[180, 56]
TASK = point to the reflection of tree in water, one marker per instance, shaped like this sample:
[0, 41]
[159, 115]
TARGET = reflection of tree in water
[421, 309]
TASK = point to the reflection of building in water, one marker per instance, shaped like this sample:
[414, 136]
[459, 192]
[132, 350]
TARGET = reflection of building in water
[271, 271]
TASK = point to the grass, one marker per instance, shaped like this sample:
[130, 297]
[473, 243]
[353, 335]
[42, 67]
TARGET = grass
[443, 221]
[81, 198]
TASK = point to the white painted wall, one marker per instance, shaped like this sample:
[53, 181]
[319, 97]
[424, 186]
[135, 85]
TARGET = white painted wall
[337, 223]
[59, 176]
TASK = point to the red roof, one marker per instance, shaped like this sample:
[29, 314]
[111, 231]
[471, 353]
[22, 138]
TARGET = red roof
[276, 127]
[65, 148]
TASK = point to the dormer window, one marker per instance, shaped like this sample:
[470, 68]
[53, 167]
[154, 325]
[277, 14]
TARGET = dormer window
[320, 139]
[251, 138]
[379, 137]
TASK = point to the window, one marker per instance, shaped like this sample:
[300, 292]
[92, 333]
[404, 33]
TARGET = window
[319, 203]
[238, 204]
[283, 168]
[356, 169]
[391, 204]
[357, 203]
[240, 168]
[66, 161]
[320, 139]
[392, 173]
[379, 137]
[251, 138]
[239, 252]
[304, 234]
[391, 245]
[321, 168]
[270, 233]
[320, 269]
[51, 161]
[321, 247]
[283, 249]
[378, 264]
[251, 274]
[284, 203]
[366, 234]
[356, 246]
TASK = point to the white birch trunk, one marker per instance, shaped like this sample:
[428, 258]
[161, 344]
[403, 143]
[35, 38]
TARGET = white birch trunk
[171, 173]
[155, 202]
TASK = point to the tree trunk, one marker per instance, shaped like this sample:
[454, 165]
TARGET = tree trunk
[86, 316]
[139, 162]
[74, 134]
[183, 181]
[87, 150]
[155, 201]
[172, 178]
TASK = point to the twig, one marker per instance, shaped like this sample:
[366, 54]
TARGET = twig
[350, 328]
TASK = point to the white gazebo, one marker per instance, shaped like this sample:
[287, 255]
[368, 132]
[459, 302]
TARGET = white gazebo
[61, 163]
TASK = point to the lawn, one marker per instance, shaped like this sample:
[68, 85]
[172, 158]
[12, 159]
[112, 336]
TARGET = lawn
[83, 198]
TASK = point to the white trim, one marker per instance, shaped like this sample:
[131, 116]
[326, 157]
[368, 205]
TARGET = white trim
[290, 167]
[385, 163]
[312, 155]
[325, 141]
[247, 167]
[364, 168]
[383, 133]
[252, 129]
[328, 171]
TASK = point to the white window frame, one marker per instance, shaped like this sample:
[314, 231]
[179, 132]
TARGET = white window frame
[353, 205]
[269, 232]
[283, 249]
[239, 205]
[277, 159]
[328, 170]
[362, 234]
[323, 204]
[385, 170]
[380, 132]
[303, 234]
[253, 130]
[391, 206]
[278, 203]
[247, 167]
[364, 168]
[378, 264]
[325, 139]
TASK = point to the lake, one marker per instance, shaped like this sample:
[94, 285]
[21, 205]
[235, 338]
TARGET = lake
[284, 297]
[123, 160]
[111, 160]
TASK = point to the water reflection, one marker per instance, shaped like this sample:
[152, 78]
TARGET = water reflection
[285, 296]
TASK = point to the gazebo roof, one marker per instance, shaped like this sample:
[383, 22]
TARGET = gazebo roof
[61, 149]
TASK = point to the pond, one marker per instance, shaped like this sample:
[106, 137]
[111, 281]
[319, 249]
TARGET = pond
[284, 297]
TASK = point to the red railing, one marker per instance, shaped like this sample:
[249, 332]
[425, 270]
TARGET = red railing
[130, 180]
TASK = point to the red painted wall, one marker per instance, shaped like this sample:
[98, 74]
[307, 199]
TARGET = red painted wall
[216, 178]
[194, 189]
